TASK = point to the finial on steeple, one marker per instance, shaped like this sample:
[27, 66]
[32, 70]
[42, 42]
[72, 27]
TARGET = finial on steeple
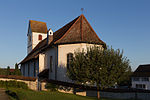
[82, 9]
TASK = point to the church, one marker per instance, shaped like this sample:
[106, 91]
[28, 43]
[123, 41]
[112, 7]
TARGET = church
[49, 53]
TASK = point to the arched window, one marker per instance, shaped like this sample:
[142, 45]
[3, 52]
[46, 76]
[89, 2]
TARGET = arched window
[69, 59]
[40, 37]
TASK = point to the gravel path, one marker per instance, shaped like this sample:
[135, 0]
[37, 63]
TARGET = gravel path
[3, 95]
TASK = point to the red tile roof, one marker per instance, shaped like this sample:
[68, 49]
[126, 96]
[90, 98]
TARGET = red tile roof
[76, 31]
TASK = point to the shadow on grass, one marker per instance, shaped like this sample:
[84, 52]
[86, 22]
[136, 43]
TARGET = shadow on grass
[12, 94]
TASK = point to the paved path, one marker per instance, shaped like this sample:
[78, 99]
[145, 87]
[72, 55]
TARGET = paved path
[3, 95]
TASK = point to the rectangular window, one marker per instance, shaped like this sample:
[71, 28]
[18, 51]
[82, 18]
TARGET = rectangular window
[136, 79]
[140, 86]
[69, 59]
[145, 79]
[40, 37]
[34, 69]
[28, 68]
[51, 63]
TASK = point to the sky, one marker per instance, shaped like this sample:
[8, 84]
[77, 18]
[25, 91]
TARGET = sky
[122, 24]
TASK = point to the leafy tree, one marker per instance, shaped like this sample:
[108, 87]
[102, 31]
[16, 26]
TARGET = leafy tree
[8, 70]
[17, 71]
[16, 66]
[104, 68]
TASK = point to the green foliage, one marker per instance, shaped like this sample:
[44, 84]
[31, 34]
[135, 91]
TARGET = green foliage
[8, 70]
[14, 84]
[21, 94]
[4, 71]
[101, 67]
[17, 71]
[51, 87]
[45, 95]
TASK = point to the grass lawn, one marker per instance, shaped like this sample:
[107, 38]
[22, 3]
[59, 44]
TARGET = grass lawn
[43, 95]
[47, 95]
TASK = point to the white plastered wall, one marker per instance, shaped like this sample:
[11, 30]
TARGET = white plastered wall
[63, 50]
[35, 40]
[51, 52]
[147, 83]
[41, 62]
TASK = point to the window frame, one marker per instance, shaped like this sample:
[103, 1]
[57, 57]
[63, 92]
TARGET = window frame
[140, 86]
[40, 37]
[69, 59]
[145, 79]
[136, 78]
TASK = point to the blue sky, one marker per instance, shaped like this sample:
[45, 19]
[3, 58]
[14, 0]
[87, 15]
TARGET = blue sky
[123, 24]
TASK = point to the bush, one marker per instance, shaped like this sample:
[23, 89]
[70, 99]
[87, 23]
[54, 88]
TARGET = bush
[14, 84]
[51, 87]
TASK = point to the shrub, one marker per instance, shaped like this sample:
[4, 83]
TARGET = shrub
[51, 87]
[15, 84]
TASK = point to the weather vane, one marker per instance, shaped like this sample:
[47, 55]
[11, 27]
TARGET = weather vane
[82, 10]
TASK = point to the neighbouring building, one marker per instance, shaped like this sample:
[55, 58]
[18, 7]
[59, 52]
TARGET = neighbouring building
[49, 53]
[141, 77]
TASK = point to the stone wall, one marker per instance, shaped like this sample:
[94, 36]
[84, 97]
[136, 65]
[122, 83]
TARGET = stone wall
[33, 85]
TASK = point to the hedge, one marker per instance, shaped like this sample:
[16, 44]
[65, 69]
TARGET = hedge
[14, 84]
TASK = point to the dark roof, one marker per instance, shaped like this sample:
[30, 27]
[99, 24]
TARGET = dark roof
[76, 31]
[44, 74]
[37, 26]
[35, 51]
[79, 31]
[142, 71]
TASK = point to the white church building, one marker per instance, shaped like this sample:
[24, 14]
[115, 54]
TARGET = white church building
[49, 53]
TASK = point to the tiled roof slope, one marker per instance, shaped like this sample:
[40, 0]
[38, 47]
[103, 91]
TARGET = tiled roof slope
[142, 71]
[80, 31]
[37, 26]
[35, 51]
[76, 31]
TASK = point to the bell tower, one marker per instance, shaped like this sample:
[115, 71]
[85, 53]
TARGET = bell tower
[37, 31]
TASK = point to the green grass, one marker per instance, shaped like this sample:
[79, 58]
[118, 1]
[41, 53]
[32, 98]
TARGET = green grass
[43, 95]
[23, 94]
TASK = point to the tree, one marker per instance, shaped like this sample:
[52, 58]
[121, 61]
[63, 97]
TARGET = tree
[96, 66]
[17, 71]
[8, 70]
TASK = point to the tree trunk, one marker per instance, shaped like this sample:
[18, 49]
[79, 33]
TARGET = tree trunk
[98, 94]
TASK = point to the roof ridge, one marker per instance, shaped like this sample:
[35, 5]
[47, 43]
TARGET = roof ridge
[36, 21]
[68, 29]
[37, 26]
[92, 29]
[81, 27]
